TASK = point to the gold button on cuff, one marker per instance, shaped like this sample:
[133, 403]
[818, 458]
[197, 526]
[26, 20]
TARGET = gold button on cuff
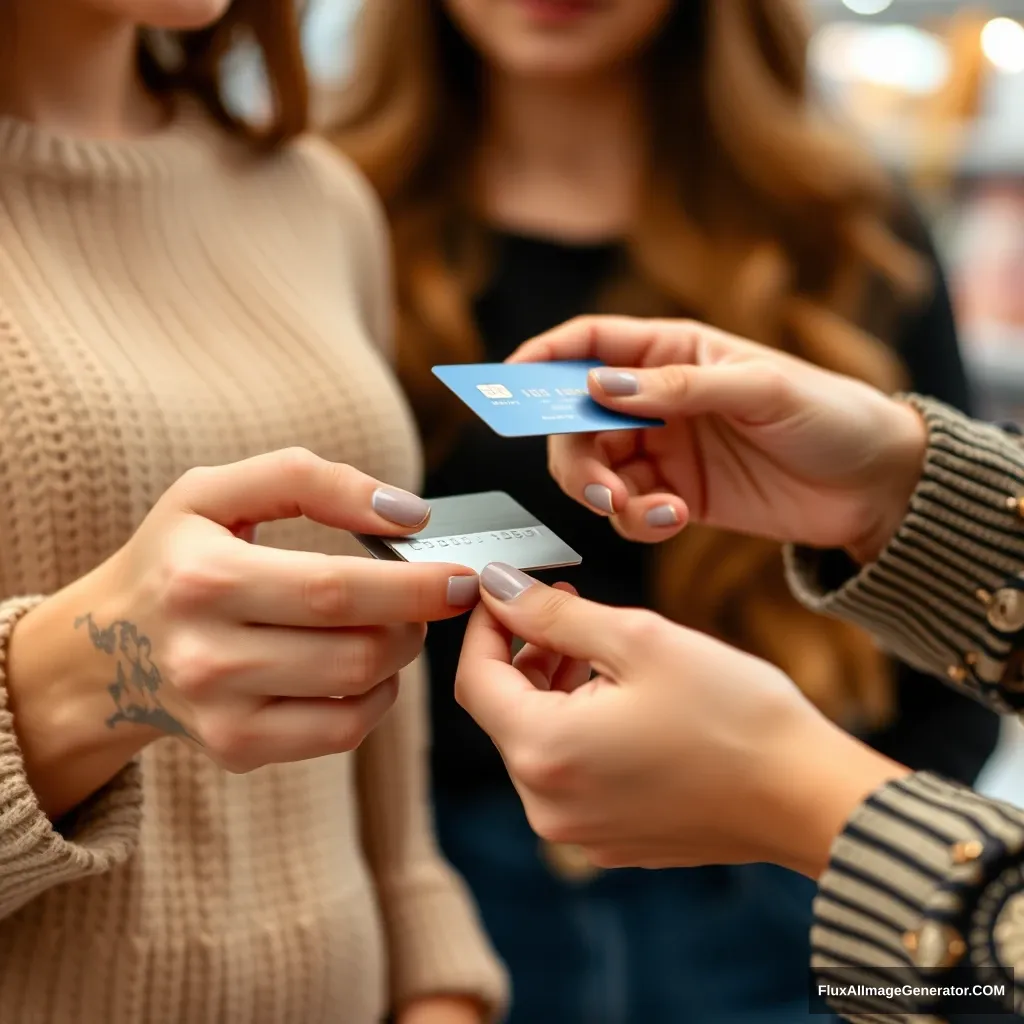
[569, 862]
[983, 596]
[1015, 504]
[957, 673]
[1006, 610]
[966, 851]
[935, 946]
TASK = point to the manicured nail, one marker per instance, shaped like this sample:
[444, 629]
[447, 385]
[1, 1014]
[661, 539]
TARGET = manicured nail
[503, 581]
[400, 507]
[463, 591]
[662, 515]
[600, 497]
[616, 382]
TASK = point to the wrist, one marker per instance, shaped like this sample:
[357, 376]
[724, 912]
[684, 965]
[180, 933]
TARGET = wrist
[58, 694]
[822, 777]
[898, 474]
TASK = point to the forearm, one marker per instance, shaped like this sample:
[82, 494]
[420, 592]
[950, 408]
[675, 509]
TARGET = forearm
[944, 594]
[34, 854]
[58, 694]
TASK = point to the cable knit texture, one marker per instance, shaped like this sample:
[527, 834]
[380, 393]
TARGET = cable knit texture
[165, 303]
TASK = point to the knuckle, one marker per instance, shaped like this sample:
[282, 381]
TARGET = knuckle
[583, 321]
[606, 857]
[230, 744]
[552, 825]
[192, 578]
[774, 382]
[551, 606]
[538, 769]
[196, 478]
[640, 629]
[675, 379]
[349, 729]
[297, 464]
[358, 662]
[192, 666]
[327, 595]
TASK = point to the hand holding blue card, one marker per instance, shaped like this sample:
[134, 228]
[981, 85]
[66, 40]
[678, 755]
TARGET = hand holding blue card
[535, 399]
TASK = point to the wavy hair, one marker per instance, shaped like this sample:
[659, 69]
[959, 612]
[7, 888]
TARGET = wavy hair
[196, 62]
[759, 215]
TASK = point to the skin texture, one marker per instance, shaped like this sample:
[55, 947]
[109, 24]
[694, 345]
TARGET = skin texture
[680, 751]
[755, 441]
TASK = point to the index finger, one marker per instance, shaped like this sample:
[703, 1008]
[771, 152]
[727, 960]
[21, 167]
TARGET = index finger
[271, 586]
[501, 700]
[294, 482]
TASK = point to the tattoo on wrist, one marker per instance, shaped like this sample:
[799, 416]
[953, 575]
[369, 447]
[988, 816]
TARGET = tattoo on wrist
[135, 689]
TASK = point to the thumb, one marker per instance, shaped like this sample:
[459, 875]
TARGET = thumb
[555, 620]
[294, 482]
[750, 391]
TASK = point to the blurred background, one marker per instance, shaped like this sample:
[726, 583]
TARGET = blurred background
[937, 88]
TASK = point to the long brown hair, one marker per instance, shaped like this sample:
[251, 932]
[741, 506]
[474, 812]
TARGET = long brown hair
[196, 62]
[758, 216]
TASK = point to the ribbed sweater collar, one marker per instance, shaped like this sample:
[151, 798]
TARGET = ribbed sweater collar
[182, 147]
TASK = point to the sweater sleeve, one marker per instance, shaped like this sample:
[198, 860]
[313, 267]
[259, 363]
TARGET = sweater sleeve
[35, 854]
[437, 945]
[921, 909]
[947, 594]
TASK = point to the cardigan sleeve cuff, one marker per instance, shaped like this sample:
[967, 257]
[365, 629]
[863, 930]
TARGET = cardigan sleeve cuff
[946, 595]
[923, 902]
[34, 854]
[435, 941]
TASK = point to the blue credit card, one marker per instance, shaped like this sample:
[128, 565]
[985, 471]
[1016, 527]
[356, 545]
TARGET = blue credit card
[535, 399]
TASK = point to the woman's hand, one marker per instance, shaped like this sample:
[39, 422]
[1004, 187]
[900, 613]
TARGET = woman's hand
[680, 751]
[755, 441]
[442, 1010]
[246, 650]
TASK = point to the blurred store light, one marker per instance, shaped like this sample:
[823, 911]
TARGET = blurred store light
[867, 7]
[1002, 42]
[898, 56]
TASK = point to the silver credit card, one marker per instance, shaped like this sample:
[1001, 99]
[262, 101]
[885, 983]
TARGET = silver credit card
[475, 529]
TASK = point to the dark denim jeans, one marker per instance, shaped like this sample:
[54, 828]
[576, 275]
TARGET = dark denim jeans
[697, 946]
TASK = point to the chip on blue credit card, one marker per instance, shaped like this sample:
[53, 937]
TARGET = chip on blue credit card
[474, 530]
[535, 399]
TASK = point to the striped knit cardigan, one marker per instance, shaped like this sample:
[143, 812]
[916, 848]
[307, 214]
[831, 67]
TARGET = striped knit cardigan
[925, 887]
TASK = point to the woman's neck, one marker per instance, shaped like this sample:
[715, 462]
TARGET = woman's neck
[72, 70]
[562, 158]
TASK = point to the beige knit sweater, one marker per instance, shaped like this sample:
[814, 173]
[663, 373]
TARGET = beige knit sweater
[165, 303]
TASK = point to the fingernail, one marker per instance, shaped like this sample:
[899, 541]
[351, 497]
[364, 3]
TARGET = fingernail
[503, 581]
[616, 382]
[399, 507]
[662, 515]
[600, 497]
[463, 591]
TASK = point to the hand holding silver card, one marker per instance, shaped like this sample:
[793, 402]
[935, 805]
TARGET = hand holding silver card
[474, 530]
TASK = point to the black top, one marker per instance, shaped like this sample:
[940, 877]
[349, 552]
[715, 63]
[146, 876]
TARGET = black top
[538, 284]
